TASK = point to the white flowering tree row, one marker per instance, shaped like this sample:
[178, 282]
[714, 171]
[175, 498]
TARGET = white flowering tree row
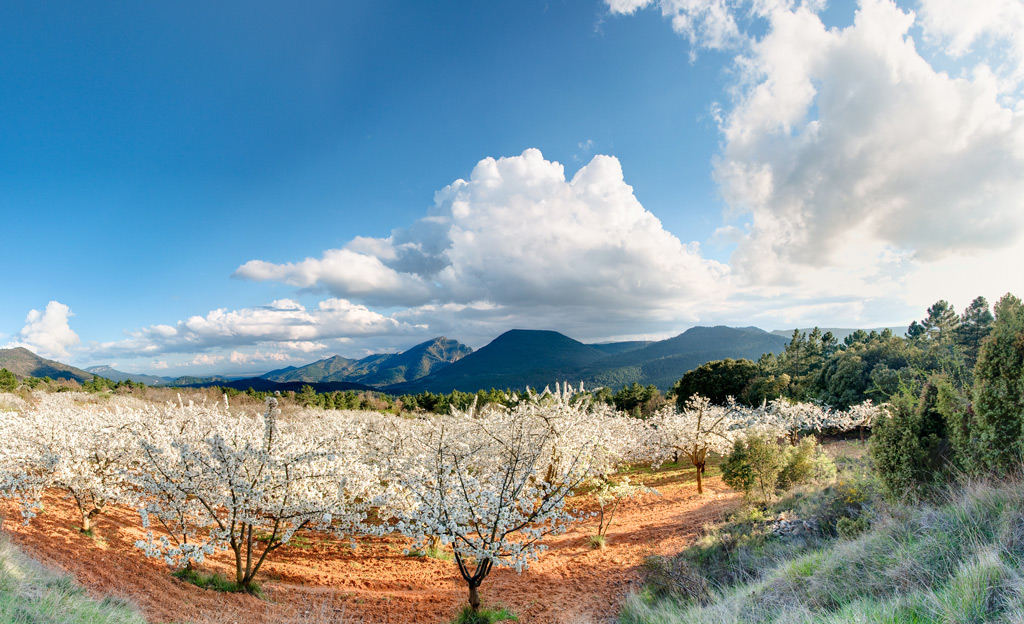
[490, 483]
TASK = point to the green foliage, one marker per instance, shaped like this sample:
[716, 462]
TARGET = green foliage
[806, 462]
[741, 549]
[8, 381]
[998, 408]
[910, 449]
[639, 401]
[851, 528]
[975, 324]
[759, 466]
[753, 466]
[484, 616]
[958, 561]
[32, 593]
[718, 380]
[214, 581]
[676, 579]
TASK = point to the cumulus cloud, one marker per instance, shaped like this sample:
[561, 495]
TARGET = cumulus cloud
[285, 329]
[241, 357]
[705, 23]
[993, 26]
[47, 333]
[518, 234]
[849, 162]
[851, 129]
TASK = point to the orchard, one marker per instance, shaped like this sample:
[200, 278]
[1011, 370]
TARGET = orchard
[491, 484]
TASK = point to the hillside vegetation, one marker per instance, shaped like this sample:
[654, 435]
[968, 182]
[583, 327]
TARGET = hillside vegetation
[926, 527]
[31, 593]
[23, 363]
[957, 560]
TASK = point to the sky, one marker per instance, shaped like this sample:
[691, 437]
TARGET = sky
[190, 188]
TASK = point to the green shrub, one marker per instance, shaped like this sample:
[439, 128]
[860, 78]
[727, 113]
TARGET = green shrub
[806, 462]
[754, 466]
[910, 449]
[214, 581]
[759, 466]
[675, 578]
[484, 616]
[849, 528]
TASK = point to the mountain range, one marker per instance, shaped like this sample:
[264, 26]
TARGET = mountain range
[514, 360]
[382, 369]
[520, 358]
[116, 375]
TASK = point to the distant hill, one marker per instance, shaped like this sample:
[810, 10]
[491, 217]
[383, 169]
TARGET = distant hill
[266, 385]
[664, 362]
[611, 348]
[379, 369]
[186, 381]
[841, 332]
[23, 363]
[521, 358]
[116, 375]
[317, 371]
[515, 359]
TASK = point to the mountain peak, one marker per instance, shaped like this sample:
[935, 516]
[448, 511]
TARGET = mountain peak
[23, 363]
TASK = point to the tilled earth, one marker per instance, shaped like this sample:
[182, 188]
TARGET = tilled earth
[319, 579]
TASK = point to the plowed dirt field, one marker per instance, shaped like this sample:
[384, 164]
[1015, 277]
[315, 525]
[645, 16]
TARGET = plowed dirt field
[320, 580]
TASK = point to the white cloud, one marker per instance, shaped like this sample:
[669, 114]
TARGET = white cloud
[205, 359]
[517, 235]
[283, 325]
[705, 23]
[240, 357]
[994, 26]
[861, 180]
[47, 333]
[851, 129]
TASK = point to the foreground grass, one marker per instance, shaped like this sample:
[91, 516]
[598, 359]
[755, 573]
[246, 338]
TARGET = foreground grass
[958, 560]
[33, 594]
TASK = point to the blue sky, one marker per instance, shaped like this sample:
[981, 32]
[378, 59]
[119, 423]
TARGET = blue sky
[197, 187]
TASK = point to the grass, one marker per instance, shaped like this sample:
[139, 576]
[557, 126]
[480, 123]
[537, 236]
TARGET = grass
[959, 559]
[484, 616]
[31, 593]
[215, 581]
[431, 552]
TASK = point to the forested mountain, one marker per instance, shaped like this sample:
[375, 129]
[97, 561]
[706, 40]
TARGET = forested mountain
[515, 359]
[23, 363]
[521, 358]
[115, 375]
[664, 362]
[840, 333]
[379, 369]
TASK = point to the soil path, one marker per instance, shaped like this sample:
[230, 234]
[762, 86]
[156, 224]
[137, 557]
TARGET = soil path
[320, 580]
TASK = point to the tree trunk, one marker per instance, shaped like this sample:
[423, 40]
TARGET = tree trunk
[700, 483]
[474, 598]
[86, 523]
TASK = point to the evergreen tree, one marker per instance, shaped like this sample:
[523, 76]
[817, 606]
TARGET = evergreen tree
[975, 324]
[998, 407]
[8, 381]
[942, 322]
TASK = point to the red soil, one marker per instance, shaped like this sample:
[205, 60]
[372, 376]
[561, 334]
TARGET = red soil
[319, 579]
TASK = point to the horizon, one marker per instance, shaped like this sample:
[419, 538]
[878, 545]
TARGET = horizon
[247, 186]
[213, 372]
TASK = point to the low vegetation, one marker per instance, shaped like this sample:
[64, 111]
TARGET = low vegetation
[30, 593]
[928, 526]
[958, 559]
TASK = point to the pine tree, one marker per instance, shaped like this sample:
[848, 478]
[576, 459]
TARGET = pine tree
[998, 408]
